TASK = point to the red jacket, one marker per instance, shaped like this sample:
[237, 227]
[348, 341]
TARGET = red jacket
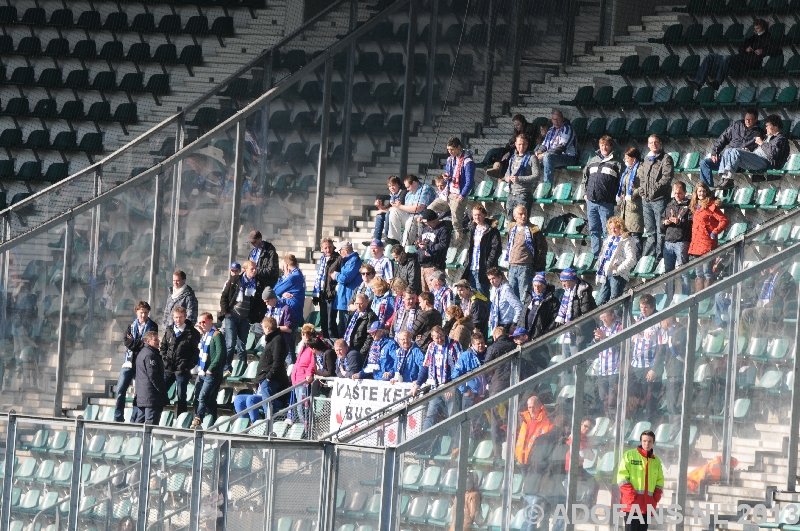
[705, 221]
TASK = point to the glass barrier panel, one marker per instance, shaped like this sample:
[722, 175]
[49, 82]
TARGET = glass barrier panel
[296, 486]
[213, 491]
[359, 479]
[249, 468]
[170, 481]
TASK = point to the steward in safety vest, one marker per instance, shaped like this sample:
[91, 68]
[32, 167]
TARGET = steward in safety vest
[641, 480]
[534, 424]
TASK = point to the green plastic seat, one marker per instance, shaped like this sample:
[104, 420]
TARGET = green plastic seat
[483, 452]
[672, 35]
[584, 263]
[582, 161]
[644, 266]
[650, 67]
[624, 97]
[787, 98]
[743, 198]
[764, 197]
[596, 128]
[689, 163]
[735, 230]
[718, 127]
[629, 66]
[616, 129]
[560, 193]
[724, 97]
[678, 129]
[542, 191]
[637, 128]
[564, 261]
[483, 192]
[603, 97]
[584, 96]
[699, 128]
[501, 192]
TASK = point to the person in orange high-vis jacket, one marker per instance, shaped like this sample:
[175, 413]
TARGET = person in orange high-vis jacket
[534, 424]
[641, 482]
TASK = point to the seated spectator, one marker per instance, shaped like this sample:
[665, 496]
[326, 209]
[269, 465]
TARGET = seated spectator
[361, 318]
[644, 376]
[457, 326]
[382, 300]
[677, 224]
[440, 358]
[629, 198]
[500, 161]
[608, 363]
[442, 194]
[348, 361]
[672, 350]
[397, 196]
[367, 273]
[524, 171]
[459, 172]
[576, 301]
[505, 307]
[325, 358]
[442, 295]
[427, 318]
[383, 266]
[601, 178]
[708, 222]
[407, 269]
[402, 212]
[771, 154]
[560, 147]
[483, 251]
[749, 57]
[408, 358]
[473, 304]
[617, 259]
[381, 361]
[469, 360]
[539, 308]
[765, 310]
[432, 246]
[526, 252]
[740, 135]
[534, 423]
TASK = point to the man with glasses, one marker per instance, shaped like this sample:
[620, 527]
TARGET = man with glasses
[367, 273]
[741, 134]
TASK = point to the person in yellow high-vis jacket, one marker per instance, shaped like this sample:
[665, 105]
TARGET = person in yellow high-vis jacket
[641, 481]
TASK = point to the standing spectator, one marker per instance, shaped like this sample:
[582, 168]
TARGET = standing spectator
[708, 222]
[440, 358]
[741, 135]
[617, 259]
[432, 246]
[284, 319]
[474, 305]
[524, 171]
[408, 268]
[677, 224]
[209, 376]
[629, 198]
[534, 423]
[469, 360]
[499, 380]
[641, 481]
[560, 146]
[382, 301]
[601, 178]
[367, 273]
[347, 280]
[182, 295]
[348, 361]
[458, 327]
[576, 301]
[397, 195]
[608, 363]
[750, 54]
[409, 358]
[427, 318]
[505, 307]
[655, 177]
[526, 253]
[402, 213]
[292, 287]
[265, 257]
[672, 345]
[151, 389]
[381, 362]
[459, 172]
[384, 268]
[442, 295]
[644, 376]
[483, 251]
[501, 159]
[540, 308]
[355, 334]
[771, 154]
[544, 474]
[325, 287]
[240, 304]
[180, 351]
[133, 344]
[303, 371]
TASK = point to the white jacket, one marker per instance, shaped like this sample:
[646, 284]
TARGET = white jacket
[622, 260]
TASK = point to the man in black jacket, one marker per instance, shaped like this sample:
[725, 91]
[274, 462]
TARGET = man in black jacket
[427, 317]
[488, 253]
[151, 389]
[576, 301]
[271, 374]
[540, 308]
[751, 54]
[771, 154]
[432, 245]
[474, 304]
[180, 350]
[740, 134]
[361, 317]
[676, 221]
[407, 268]
[266, 259]
[240, 305]
[499, 380]
[348, 360]
[601, 178]
[325, 286]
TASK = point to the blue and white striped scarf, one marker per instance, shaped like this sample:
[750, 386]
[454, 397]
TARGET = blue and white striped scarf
[320, 280]
[528, 240]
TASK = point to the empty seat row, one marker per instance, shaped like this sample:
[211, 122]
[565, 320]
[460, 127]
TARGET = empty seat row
[73, 111]
[32, 171]
[40, 140]
[715, 34]
[117, 21]
[51, 78]
[757, 7]
[86, 50]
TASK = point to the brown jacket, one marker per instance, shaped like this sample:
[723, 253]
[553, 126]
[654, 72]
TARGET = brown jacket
[462, 331]
[472, 510]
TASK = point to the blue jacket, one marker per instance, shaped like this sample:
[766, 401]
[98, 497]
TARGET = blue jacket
[348, 280]
[412, 364]
[467, 361]
[467, 173]
[294, 283]
[386, 361]
[509, 306]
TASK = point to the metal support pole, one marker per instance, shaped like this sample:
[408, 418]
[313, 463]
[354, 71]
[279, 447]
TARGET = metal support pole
[94, 248]
[75, 486]
[66, 276]
[197, 480]
[794, 413]
[225, 455]
[488, 74]
[515, 52]
[408, 89]
[461, 484]
[570, 13]
[730, 379]
[575, 443]
[238, 181]
[176, 197]
[347, 125]
[263, 125]
[144, 477]
[8, 470]
[4, 294]
[322, 165]
[431, 74]
[686, 409]
[155, 245]
[402, 422]
[326, 494]
[511, 430]
[269, 485]
[388, 509]
[622, 394]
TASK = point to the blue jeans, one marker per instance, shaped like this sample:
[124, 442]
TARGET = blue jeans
[475, 283]
[437, 410]
[381, 227]
[551, 161]
[207, 399]
[722, 305]
[734, 158]
[264, 391]
[181, 381]
[704, 270]
[637, 239]
[344, 319]
[126, 376]
[513, 200]
[675, 255]
[520, 278]
[236, 331]
[652, 211]
[711, 61]
[598, 214]
[611, 289]
[298, 414]
[706, 167]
